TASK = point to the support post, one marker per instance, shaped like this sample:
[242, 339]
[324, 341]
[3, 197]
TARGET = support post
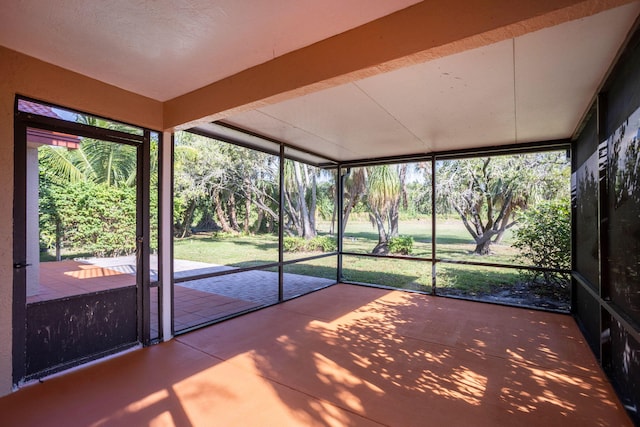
[433, 225]
[340, 208]
[281, 229]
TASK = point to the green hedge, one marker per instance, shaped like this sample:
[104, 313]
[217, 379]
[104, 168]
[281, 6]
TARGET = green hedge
[93, 218]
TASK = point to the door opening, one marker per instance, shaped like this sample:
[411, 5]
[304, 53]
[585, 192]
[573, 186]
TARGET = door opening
[81, 239]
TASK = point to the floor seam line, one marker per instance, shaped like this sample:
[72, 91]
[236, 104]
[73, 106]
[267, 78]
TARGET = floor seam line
[351, 411]
[283, 384]
[201, 350]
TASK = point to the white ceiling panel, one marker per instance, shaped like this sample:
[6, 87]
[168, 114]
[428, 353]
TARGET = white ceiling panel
[166, 48]
[535, 87]
[454, 101]
[558, 71]
[258, 122]
[532, 88]
[347, 117]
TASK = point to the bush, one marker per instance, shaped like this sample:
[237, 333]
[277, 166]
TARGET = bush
[544, 239]
[293, 244]
[93, 217]
[401, 245]
[323, 243]
[317, 244]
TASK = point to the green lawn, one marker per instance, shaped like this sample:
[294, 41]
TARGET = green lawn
[360, 237]
[453, 242]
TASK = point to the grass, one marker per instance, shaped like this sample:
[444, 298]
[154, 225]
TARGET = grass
[237, 251]
[453, 242]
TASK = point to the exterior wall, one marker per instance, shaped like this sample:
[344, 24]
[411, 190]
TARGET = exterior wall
[30, 77]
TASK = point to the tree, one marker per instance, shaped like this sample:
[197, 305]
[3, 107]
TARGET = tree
[223, 186]
[300, 191]
[94, 161]
[355, 187]
[487, 193]
[383, 196]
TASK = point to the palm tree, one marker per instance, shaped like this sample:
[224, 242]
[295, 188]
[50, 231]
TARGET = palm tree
[383, 196]
[354, 190]
[94, 161]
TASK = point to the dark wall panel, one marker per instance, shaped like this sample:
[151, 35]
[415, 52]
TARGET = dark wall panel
[613, 204]
[587, 311]
[624, 215]
[585, 201]
[625, 368]
[62, 331]
[623, 87]
[622, 124]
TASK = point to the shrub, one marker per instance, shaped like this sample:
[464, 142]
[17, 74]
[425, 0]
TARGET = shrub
[317, 244]
[323, 244]
[93, 217]
[544, 239]
[293, 244]
[401, 245]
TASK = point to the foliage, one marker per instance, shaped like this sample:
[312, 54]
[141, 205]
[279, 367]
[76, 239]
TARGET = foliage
[222, 186]
[96, 218]
[94, 160]
[487, 193]
[317, 244]
[401, 245]
[544, 239]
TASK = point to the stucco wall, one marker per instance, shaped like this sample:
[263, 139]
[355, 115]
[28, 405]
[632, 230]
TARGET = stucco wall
[30, 77]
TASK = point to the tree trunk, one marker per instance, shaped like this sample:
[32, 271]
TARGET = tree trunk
[394, 217]
[247, 211]
[382, 248]
[313, 205]
[258, 227]
[307, 231]
[233, 213]
[292, 214]
[222, 218]
[347, 213]
[403, 186]
[483, 248]
[333, 220]
[503, 226]
[183, 231]
[483, 243]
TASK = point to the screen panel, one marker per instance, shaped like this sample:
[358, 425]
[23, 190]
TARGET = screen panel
[624, 215]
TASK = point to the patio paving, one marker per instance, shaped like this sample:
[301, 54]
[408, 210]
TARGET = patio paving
[258, 286]
[195, 302]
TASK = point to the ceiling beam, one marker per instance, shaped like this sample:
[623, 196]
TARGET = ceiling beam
[422, 32]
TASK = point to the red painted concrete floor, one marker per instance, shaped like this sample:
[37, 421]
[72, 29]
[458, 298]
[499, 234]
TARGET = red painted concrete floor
[343, 356]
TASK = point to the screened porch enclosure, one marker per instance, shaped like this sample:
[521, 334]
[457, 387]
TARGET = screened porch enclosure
[432, 227]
